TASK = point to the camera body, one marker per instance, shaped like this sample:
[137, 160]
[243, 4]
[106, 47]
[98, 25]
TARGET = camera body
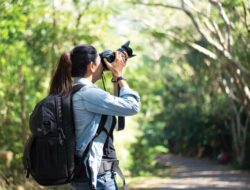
[110, 55]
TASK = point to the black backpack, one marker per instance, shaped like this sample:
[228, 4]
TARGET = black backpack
[49, 154]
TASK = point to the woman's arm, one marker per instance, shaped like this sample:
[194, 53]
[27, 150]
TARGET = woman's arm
[99, 101]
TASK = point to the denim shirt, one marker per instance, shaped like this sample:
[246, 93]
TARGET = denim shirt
[90, 102]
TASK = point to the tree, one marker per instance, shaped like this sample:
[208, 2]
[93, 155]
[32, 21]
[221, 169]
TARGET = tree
[33, 35]
[224, 26]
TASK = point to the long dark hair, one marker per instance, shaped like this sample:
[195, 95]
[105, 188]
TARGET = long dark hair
[73, 64]
[61, 82]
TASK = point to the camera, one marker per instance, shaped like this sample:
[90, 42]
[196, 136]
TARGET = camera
[110, 55]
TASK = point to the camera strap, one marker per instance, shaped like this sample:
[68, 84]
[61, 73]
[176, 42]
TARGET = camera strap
[121, 120]
[103, 81]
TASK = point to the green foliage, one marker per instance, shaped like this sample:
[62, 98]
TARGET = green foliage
[183, 108]
[32, 36]
[150, 140]
[144, 156]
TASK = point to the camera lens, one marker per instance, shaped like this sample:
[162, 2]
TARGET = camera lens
[110, 55]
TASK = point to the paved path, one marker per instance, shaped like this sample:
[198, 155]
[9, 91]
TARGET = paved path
[194, 174]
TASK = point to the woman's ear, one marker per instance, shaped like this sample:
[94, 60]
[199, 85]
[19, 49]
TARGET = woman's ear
[92, 67]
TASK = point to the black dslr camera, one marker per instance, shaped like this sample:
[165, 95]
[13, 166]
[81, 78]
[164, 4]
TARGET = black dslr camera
[110, 55]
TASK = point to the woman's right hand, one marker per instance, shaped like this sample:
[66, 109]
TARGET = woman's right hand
[117, 67]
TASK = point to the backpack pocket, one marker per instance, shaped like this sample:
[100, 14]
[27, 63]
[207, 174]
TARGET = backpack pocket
[49, 162]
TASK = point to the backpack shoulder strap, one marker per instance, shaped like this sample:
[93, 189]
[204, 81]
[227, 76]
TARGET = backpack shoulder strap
[76, 88]
[101, 126]
[99, 130]
[67, 111]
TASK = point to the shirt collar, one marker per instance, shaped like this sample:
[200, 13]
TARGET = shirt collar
[82, 80]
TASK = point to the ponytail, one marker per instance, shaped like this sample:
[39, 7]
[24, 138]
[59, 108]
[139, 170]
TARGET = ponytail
[61, 83]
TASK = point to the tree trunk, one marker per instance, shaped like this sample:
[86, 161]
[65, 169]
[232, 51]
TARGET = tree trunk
[239, 132]
[22, 102]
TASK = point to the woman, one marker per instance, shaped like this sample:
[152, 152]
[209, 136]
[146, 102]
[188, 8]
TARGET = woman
[90, 103]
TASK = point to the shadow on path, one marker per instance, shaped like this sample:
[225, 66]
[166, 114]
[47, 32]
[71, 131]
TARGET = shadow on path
[194, 174]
